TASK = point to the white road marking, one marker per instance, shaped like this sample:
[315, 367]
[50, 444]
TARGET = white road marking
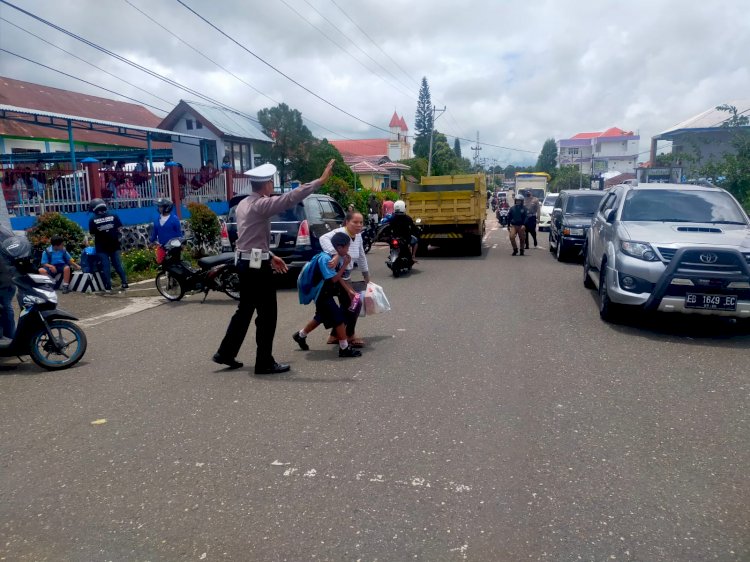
[139, 305]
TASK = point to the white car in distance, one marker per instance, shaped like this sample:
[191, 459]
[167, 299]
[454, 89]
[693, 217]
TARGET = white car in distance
[546, 213]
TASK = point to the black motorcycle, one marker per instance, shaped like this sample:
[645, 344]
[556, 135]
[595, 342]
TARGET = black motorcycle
[399, 257]
[214, 273]
[46, 333]
[502, 216]
[369, 235]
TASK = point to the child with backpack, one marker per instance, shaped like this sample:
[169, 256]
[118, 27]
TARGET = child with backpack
[317, 282]
[56, 259]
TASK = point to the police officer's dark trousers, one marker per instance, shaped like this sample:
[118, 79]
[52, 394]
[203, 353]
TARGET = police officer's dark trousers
[257, 294]
[531, 229]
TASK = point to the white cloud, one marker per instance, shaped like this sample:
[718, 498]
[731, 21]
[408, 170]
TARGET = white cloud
[518, 73]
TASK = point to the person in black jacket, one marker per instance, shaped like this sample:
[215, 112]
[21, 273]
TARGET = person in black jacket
[7, 290]
[516, 221]
[402, 226]
[105, 227]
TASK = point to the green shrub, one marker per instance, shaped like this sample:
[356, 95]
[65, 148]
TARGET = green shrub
[138, 260]
[204, 224]
[55, 224]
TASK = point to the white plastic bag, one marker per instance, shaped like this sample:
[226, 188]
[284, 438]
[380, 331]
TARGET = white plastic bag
[375, 300]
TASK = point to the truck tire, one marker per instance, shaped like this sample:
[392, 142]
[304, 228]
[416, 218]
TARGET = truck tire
[473, 244]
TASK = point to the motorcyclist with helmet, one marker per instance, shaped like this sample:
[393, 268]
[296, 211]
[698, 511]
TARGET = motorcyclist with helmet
[166, 227]
[7, 291]
[105, 226]
[516, 223]
[402, 225]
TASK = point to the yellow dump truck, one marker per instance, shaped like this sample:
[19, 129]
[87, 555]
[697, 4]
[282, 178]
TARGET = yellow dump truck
[450, 210]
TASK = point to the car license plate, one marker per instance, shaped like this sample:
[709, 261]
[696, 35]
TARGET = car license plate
[275, 239]
[710, 302]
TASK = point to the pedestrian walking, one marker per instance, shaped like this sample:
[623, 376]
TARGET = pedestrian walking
[105, 226]
[373, 209]
[256, 265]
[533, 213]
[516, 220]
[353, 225]
[322, 283]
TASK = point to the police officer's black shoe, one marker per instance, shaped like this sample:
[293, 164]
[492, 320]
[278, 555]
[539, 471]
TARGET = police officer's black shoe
[274, 369]
[230, 363]
[521, 251]
[515, 252]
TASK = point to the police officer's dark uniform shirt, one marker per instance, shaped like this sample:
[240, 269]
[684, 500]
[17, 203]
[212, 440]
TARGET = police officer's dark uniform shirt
[106, 231]
[517, 215]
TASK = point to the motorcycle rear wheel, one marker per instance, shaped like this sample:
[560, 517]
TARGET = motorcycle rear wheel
[169, 287]
[230, 283]
[66, 347]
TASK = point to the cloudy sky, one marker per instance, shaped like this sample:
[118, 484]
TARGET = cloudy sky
[515, 72]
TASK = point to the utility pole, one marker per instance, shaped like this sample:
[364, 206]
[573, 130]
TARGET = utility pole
[432, 131]
[476, 150]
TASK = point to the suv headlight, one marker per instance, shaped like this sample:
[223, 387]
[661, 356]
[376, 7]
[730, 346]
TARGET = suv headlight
[640, 250]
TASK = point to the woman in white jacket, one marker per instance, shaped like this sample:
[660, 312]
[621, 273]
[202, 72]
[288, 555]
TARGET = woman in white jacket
[353, 225]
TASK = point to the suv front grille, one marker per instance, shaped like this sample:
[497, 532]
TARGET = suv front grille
[726, 261]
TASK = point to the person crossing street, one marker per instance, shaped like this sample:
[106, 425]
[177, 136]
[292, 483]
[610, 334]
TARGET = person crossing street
[516, 220]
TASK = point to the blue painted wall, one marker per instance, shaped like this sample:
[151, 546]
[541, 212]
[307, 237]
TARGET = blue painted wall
[143, 215]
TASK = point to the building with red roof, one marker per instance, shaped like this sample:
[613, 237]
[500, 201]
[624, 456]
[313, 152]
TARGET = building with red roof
[594, 153]
[395, 147]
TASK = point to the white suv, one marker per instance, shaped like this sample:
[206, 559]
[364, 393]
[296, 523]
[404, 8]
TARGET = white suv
[669, 247]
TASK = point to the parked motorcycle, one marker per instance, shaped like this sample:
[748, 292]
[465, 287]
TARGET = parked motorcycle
[399, 258]
[46, 333]
[214, 273]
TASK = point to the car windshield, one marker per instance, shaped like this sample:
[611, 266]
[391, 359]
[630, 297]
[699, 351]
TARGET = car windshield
[712, 206]
[549, 201]
[584, 204]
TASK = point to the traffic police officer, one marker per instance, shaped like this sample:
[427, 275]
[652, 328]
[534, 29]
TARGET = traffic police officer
[256, 265]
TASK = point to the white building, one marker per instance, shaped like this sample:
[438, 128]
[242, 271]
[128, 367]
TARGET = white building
[613, 150]
[225, 133]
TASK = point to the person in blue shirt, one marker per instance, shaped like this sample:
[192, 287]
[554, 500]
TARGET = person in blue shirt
[317, 282]
[56, 259]
[166, 227]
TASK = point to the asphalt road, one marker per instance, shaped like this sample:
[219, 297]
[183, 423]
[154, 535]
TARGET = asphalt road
[492, 417]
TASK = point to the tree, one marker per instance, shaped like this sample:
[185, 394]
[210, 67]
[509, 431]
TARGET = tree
[292, 140]
[547, 161]
[417, 167]
[321, 152]
[444, 160]
[569, 177]
[732, 172]
[423, 123]
[457, 148]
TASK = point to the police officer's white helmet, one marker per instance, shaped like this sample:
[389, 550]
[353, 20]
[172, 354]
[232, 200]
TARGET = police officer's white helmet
[399, 207]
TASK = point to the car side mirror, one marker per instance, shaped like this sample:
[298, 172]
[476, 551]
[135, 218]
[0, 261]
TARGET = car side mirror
[611, 215]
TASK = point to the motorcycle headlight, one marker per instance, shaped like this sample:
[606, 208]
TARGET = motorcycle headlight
[639, 250]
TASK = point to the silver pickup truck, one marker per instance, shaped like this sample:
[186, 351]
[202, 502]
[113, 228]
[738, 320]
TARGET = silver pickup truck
[669, 247]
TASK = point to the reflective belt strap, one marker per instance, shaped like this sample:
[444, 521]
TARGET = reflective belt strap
[240, 255]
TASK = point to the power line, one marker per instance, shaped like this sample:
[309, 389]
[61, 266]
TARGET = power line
[235, 76]
[85, 61]
[126, 61]
[363, 32]
[82, 80]
[337, 28]
[272, 67]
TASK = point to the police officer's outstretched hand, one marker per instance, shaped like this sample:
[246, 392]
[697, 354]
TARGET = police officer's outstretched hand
[327, 172]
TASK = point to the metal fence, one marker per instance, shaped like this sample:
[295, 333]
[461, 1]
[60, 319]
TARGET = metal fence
[35, 191]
